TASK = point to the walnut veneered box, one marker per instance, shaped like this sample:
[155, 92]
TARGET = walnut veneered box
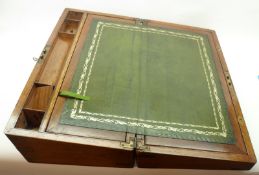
[160, 97]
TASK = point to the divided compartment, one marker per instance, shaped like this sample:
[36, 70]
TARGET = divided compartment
[35, 107]
[69, 26]
[38, 100]
[55, 59]
[71, 23]
[76, 16]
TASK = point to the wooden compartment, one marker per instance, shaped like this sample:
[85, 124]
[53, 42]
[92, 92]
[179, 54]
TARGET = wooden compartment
[35, 107]
[54, 61]
[30, 119]
[51, 61]
[73, 15]
[39, 97]
[69, 26]
[36, 131]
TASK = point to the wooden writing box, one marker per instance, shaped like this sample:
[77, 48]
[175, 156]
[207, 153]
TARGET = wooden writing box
[161, 96]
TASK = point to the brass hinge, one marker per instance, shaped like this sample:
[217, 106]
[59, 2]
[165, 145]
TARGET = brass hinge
[141, 22]
[137, 143]
[141, 145]
[42, 55]
[130, 144]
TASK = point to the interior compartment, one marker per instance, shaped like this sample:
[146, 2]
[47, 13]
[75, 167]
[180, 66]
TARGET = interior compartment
[55, 59]
[49, 74]
[74, 15]
[69, 26]
[38, 100]
[30, 119]
[35, 107]
[39, 97]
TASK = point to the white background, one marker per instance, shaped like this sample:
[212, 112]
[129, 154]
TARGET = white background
[26, 25]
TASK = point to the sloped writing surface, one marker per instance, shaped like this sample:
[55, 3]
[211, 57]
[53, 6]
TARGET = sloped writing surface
[150, 81]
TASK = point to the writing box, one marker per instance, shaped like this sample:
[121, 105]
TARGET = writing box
[160, 97]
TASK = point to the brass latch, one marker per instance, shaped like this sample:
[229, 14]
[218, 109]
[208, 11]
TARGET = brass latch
[42, 55]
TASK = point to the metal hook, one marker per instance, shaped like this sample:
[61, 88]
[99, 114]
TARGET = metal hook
[35, 59]
[43, 53]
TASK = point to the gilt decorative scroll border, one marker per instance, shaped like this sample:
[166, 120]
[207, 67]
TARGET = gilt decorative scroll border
[78, 113]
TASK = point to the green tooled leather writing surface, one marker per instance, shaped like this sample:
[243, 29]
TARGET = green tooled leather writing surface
[150, 81]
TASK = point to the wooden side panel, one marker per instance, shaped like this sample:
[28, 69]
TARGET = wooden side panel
[56, 152]
[151, 160]
[240, 118]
